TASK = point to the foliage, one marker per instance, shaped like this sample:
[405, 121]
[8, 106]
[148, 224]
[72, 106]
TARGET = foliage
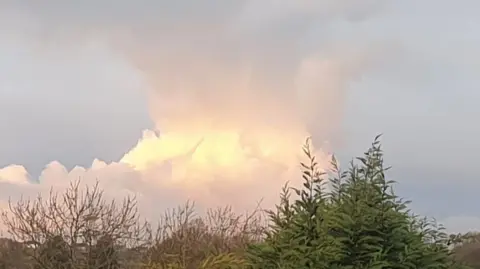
[358, 223]
[348, 219]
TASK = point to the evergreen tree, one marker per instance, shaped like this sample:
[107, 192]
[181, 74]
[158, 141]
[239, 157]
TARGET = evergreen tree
[299, 233]
[360, 223]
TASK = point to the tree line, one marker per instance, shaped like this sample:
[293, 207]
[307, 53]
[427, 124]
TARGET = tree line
[358, 222]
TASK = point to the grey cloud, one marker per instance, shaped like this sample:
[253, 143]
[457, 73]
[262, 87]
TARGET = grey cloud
[55, 106]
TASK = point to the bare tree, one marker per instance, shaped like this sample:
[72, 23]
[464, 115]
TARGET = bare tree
[185, 240]
[73, 227]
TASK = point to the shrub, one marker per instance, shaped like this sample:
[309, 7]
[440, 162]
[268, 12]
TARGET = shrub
[358, 223]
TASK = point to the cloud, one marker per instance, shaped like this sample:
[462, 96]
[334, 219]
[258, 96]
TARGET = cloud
[461, 224]
[230, 90]
[66, 103]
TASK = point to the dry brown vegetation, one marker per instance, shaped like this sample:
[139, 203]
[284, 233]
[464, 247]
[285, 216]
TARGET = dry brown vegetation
[467, 249]
[81, 229]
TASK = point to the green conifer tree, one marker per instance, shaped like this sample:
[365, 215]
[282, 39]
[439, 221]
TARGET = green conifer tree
[299, 235]
[359, 224]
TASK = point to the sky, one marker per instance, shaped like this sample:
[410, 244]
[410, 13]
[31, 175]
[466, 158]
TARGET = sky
[80, 82]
